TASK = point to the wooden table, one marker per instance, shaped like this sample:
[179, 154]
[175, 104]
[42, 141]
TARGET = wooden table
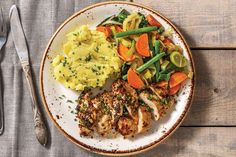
[210, 30]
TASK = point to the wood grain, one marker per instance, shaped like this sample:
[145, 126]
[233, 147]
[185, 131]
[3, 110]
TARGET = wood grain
[203, 23]
[214, 102]
[197, 142]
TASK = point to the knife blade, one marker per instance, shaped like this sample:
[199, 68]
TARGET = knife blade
[22, 51]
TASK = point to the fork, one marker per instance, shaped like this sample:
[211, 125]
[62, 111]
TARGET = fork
[3, 39]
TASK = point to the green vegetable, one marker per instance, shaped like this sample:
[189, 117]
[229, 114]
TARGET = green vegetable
[144, 22]
[147, 75]
[131, 49]
[113, 30]
[164, 77]
[157, 64]
[168, 69]
[178, 59]
[105, 20]
[136, 31]
[150, 43]
[122, 15]
[138, 61]
[111, 22]
[124, 68]
[161, 30]
[164, 65]
[150, 62]
[147, 64]
[125, 42]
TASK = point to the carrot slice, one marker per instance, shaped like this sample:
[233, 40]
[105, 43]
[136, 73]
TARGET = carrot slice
[177, 78]
[152, 21]
[142, 45]
[123, 52]
[106, 30]
[174, 90]
[162, 84]
[134, 80]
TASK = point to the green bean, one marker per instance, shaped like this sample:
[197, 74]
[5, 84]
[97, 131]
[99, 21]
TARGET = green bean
[136, 31]
[147, 64]
[157, 64]
[150, 43]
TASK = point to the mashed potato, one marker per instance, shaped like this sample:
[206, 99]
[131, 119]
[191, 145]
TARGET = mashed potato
[88, 59]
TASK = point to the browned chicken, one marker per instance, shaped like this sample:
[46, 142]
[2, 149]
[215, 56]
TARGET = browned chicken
[87, 114]
[152, 101]
[157, 100]
[126, 96]
[126, 126]
[103, 104]
[159, 92]
[123, 109]
[144, 119]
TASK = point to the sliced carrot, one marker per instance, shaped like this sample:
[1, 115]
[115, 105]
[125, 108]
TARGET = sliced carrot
[177, 78]
[142, 45]
[162, 84]
[118, 29]
[123, 53]
[167, 41]
[174, 90]
[152, 21]
[106, 30]
[134, 80]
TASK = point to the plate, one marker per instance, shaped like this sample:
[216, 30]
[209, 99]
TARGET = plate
[59, 101]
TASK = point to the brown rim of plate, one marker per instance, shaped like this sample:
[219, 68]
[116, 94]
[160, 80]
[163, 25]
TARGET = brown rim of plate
[117, 152]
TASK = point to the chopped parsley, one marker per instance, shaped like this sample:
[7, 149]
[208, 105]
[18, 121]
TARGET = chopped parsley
[94, 70]
[164, 101]
[97, 49]
[65, 62]
[105, 108]
[149, 109]
[83, 108]
[150, 97]
[88, 58]
[119, 97]
[125, 112]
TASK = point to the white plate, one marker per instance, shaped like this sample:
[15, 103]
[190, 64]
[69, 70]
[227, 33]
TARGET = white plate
[59, 109]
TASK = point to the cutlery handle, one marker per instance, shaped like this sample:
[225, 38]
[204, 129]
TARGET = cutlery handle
[1, 109]
[39, 126]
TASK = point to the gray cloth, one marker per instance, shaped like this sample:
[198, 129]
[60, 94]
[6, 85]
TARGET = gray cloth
[40, 18]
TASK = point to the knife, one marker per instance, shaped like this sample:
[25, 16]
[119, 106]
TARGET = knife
[22, 51]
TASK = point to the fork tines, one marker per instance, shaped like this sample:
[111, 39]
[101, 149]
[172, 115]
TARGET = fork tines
[3, 26]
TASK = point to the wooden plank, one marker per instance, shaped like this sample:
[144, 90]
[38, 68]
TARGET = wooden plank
[197, 142]
[203, 23]
[214, 102]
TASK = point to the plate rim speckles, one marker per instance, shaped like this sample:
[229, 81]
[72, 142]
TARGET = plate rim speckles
[119, 152]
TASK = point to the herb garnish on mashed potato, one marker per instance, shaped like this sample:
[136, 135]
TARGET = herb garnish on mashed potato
[88, 59]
